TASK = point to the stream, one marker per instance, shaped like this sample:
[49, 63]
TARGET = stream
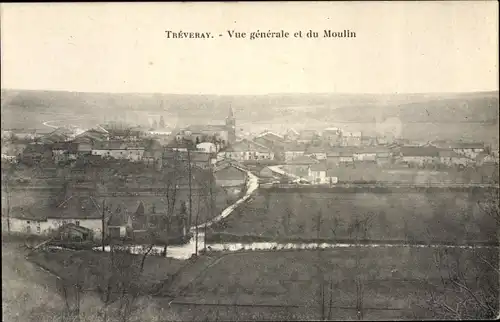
[187, 250]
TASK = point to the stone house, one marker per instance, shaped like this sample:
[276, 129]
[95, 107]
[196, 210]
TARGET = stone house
[44, 219]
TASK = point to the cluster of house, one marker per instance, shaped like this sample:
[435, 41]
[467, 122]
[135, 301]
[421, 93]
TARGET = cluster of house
[94, 145]
[83, 218]
[338, 147]
[133, 144]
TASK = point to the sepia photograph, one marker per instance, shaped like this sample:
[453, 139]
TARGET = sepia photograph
[250, 161]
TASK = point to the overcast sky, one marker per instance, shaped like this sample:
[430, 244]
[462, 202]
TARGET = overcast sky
[104, 47]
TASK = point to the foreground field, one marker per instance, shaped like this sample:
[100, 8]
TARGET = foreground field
[447, 217]
[29, 293]
[394, 283]
[94, 266]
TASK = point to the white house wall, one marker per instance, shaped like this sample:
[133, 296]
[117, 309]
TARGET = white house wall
[43, 228]
[318, 155]
[134, 155]
[246, 155]
[365, 156]
[290, 155]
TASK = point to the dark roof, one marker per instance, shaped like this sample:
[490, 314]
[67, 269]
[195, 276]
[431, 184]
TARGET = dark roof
[117, 219]
[457, 145]
[247, 145]
[302, 159]
[37, 148]
[307, 134]
[206, 127]
[71, 226]
[28, 213]
[123, 132]
[77, 207]
[195, 156]
[108, 145]
[419, 151]
[174, 144]
[66, 146]
[316, 149]
[199, 156]
[371, 149]
[270, 144]
[448, 153]
[229, 162]
[93, 134]
[270, 136]
[116, 145]
[342, 151]
[266, 172]
[468, 145]
[319, 166]
[72, 208]
[229, 172]
[294, 147]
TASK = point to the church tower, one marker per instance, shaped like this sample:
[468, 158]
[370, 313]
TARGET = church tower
[231, 126]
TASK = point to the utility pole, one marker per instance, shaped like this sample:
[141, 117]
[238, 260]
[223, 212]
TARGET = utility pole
[321, 294]
[103, 225]
[210, 183]
[7, 191]
[189, 185]
[191, 200]
[359, 291]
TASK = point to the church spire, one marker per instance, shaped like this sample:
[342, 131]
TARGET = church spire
[231, 126]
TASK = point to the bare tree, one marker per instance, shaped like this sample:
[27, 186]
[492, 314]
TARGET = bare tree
[172, 175]
[467, 287]
[71, 288]
[319, 267]
[122, 284]
[359, 229]
[286, 219]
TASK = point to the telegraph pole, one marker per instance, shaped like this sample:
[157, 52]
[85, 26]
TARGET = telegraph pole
[189, 184]
[191, 200]
[359, 291]
[210, 183]
[319, 270]
[103, 225]
[7, 191]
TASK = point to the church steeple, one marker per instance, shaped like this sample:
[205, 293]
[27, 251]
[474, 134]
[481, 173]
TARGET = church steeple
[231, 126]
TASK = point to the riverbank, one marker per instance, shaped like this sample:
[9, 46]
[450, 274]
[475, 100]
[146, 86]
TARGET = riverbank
[447, 217]
[233, 241]
[382, 187]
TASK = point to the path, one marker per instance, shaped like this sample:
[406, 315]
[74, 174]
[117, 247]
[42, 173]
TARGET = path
[46, 123]
[277, 169]
[187, 250]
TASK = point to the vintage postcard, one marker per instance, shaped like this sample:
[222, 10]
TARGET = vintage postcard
[250, 161]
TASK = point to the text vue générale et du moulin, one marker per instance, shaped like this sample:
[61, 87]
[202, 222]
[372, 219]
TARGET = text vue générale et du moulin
[258, 34]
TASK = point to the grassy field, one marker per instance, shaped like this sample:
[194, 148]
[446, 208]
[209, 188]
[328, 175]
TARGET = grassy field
[453, 217]
[31, 294]
[395, 283]
[95, 265]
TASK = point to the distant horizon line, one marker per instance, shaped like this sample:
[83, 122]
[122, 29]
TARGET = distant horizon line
[262, 94]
